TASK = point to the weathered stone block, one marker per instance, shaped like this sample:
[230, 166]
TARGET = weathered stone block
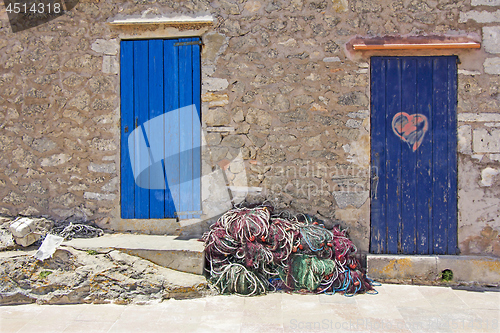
[109, 47]
[485, 141]
[105, 168]
[465, 139]
[492, 66]
[485, 2]
[346, 198]
[55, 160]
[480, 17]
[478, 117]
[491, 36]
[354, 98]
[110, 65]
[259, 117]
[214, 84]
[235, 141]
[98, 196]
[216, 117]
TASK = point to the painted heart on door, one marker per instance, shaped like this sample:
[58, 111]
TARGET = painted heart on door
[410, 128]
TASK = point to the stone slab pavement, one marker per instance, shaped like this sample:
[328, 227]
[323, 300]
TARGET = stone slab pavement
[397, 308]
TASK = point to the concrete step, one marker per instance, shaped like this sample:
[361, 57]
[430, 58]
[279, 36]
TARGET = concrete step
[167, 251]
[418, 269]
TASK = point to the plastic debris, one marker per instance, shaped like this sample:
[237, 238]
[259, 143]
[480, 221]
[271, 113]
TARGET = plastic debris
[48, 247]
[250, 251]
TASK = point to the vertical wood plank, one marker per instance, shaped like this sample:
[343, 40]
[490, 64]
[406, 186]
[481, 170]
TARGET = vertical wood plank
[196, 129]
[141, 107]
[186, 121]
[424, 157]
[440, 155]
[156, 136]
[408, 158]
[171, 95]
[127, 183]
[393, 160]
[452, 246]
[378, 235]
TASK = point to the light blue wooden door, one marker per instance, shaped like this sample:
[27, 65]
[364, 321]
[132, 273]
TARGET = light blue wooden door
[160, 128]
[413, 155]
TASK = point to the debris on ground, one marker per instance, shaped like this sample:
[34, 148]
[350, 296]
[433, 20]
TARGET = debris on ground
[71, 230]
[27, 230]
[48, 247]
[251, 251]
[72, 276]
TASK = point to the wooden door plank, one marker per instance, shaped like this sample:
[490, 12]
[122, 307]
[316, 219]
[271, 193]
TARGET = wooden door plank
[452, 246]
[156, 135]
[186, 121]
[393, 160]
[196, 129]
[127, 183]
[408, 155]
[171, 95]
[440, 155]
[378, 236]
[424, 157]
[141, 106]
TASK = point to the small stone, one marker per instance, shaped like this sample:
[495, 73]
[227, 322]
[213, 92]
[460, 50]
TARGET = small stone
[352, 123]
[235, 141]
[214, 84]
[216, 117]
[98, 196]
[104, 168]
[297, 115]
[256, 140]
[252, 6]
[272, 155]
[238, 115]
[331, 59]
[259, 117]
[56, 159]
[213, 139]
[356, 98]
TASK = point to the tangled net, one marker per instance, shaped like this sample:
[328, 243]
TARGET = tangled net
[250, 251]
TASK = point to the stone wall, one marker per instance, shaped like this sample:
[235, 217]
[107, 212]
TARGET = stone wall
[280, 86]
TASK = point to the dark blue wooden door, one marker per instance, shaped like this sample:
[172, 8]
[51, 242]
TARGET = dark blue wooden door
[160, 128]
[413, 155]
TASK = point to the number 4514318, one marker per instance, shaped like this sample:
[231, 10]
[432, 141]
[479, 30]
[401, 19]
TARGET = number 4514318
[36, 8]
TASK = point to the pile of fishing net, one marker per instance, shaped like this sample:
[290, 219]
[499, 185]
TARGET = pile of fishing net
[250, 251]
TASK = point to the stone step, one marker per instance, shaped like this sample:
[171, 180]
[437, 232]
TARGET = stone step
[167, 251]
[418, 269]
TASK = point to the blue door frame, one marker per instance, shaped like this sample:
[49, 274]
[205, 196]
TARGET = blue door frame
[160, 128]
[413, 155]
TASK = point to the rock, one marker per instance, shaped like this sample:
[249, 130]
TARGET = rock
[299, 114]
[356, 98]
[259, 117]
[26, 230]
[109, 47]
[216, 117]
[6, 239]
[235, 141]
[72, 277]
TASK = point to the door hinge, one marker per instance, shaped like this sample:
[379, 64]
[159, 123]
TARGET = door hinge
[196, 42]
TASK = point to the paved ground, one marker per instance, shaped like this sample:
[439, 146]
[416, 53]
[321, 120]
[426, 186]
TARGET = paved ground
[397, 308]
